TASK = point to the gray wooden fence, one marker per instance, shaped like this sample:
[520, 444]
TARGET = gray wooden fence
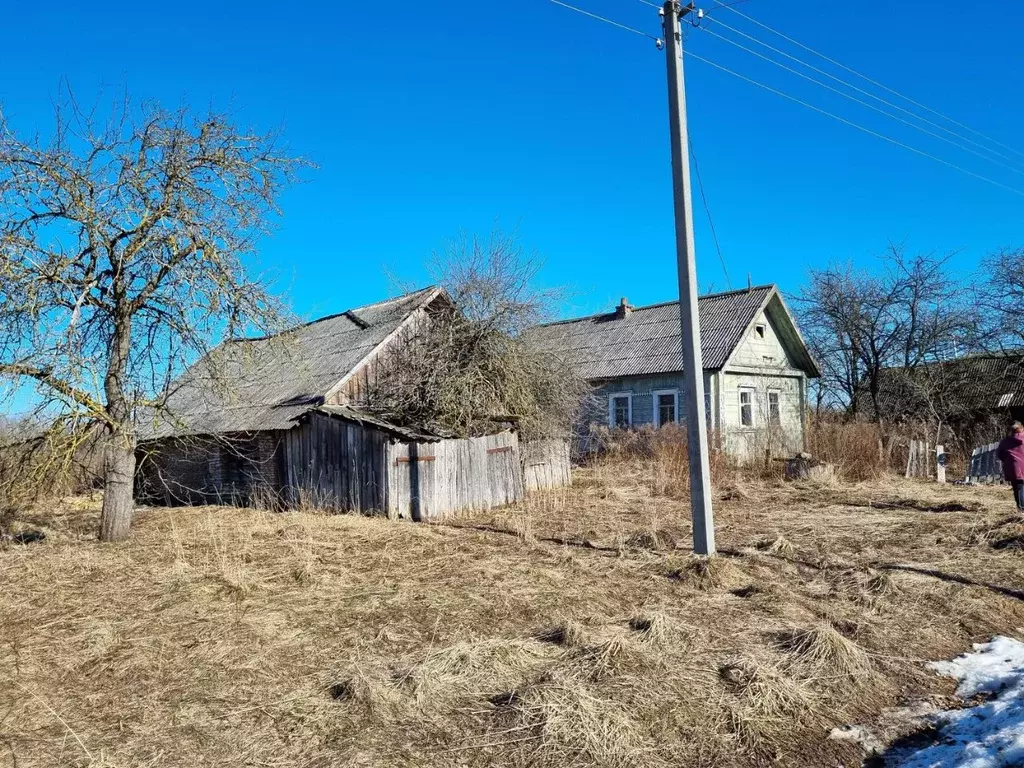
[545, 464]
[335, 462]
[430, 480]
[985, 467]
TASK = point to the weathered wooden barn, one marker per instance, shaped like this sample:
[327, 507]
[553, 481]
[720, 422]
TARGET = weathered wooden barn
[974, 398]
[756, 368]
[276, 421]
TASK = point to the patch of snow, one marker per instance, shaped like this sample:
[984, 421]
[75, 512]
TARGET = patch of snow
[990, 735]
[991, 668]
[859, 735]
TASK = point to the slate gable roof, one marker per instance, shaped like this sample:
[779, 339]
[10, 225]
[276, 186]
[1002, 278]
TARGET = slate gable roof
[647, 341]
[248, 385]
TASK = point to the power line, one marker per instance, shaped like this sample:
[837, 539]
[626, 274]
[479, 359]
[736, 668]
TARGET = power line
[634, 30]
[868, 131]
[865, 104]
[711, 223]
[859, 89]
[868, 79]
[725, 5]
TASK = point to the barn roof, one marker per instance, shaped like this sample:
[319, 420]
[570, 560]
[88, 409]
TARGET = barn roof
[646, 341]
[978, 383]
[246, 385]
[347, 413]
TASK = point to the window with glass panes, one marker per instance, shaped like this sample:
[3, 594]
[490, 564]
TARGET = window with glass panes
[620, 411]
[666, 407]
[774, 409]
[747, 407]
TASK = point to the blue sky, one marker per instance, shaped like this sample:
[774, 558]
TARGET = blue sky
[430, 118]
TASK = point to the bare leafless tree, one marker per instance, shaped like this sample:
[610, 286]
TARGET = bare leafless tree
[830, 310]
[469, 369]
[1000, 300]
[861, 322]
[124, 242]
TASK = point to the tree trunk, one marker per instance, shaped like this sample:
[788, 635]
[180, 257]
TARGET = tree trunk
[118, 488]
[119, 449]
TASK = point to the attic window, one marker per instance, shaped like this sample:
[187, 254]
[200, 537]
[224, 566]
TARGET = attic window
[760, 330]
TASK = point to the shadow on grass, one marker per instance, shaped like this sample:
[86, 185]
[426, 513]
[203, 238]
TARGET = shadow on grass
[1017, 594]
[580, 543]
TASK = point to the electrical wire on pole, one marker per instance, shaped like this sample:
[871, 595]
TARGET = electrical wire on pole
[711, 222]
[876, 83]
[657, 40]
[847, 84]
[852, 124]
[863, 103]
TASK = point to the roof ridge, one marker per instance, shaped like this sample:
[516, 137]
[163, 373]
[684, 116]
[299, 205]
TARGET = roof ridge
[720, 294]
[1008, 355]
[332, 316]
[364, 307]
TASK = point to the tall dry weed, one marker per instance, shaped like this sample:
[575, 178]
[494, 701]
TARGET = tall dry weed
[853, 448]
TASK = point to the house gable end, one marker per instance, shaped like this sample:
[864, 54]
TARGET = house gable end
[781, 347]
[349, 385]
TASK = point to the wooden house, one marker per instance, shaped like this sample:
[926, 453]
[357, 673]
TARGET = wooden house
[278, 420]
[756, 368]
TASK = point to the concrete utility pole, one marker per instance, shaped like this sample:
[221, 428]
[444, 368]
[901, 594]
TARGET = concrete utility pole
[693, 365]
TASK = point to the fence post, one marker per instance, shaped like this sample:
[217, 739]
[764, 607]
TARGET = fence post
[940, 464]
[917, 459]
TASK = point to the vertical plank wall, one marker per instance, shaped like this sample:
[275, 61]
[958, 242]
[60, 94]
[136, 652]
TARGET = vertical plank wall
[545, 464]
[430, 480]
[336, 464]
[985, 466]
[345, 466]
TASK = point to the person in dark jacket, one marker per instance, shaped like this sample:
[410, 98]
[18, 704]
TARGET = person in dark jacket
[1011, 454]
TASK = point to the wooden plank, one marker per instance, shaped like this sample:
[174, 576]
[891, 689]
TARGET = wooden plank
[337, 435]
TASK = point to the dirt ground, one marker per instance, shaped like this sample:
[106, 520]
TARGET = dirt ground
[573, 630]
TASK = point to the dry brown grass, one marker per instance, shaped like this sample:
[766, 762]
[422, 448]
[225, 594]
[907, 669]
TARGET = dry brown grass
[236, 637]
[852, 448]
[827, 650]
[767, 702]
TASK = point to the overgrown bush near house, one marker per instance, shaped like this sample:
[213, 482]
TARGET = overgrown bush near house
[467, 370]
[850, 451]
[38, 465]
[852, 447]
[662, 454]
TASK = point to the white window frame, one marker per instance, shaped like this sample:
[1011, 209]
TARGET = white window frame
[655, 396]
[611, 408]
[752, 405]
[761, 329]
[778, 400]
